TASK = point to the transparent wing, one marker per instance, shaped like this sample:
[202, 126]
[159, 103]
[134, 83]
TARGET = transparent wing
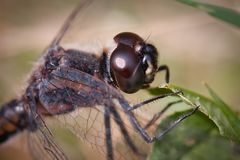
[161, 21]
[88, 125]
[81, 6]
[85, 119]
[42, 144]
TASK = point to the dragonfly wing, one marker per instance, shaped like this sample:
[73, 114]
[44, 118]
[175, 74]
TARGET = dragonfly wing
[84, 116]
[43, 145]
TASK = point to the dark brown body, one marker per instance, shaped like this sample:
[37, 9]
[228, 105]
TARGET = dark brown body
[63, 81]
[69, 79]
[13, 119]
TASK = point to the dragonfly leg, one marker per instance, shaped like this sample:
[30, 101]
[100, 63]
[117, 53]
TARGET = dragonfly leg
[124, 131]
[154, 99]
[143, 132]
[160, 113]
[165, 68]
[160, 135]
[108, 133]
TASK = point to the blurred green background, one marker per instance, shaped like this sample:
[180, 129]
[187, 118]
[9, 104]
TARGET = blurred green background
[194, 45]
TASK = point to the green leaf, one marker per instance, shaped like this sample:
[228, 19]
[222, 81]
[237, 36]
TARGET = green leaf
[195, 138]
[215, 96]
[215, 109]
[225, 14]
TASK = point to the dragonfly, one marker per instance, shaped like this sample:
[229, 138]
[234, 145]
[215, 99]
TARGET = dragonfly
[68, 81]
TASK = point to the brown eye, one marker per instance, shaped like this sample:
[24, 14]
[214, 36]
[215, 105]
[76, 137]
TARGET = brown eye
[133, 64]
[124, 60]
[128, 38]
[127, 69]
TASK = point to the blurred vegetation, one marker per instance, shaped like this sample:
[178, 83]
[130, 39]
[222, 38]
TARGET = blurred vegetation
[227, 15]
[196, 46]
[196, 138]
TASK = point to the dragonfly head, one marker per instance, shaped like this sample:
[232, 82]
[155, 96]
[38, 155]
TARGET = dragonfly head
[133, 63]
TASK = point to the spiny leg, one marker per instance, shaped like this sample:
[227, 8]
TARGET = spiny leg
[108, 133]
[156, 116]
[123, 129]
[159, 114]
[143, 132]
[165, 68]
[167, 75]
[160, 135]
[153, 99]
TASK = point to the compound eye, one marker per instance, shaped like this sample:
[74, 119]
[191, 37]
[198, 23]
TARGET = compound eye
[128, 38]
[123, 61]
[126, 69]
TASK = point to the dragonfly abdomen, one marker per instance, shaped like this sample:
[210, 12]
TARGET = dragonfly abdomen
[13, 119]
